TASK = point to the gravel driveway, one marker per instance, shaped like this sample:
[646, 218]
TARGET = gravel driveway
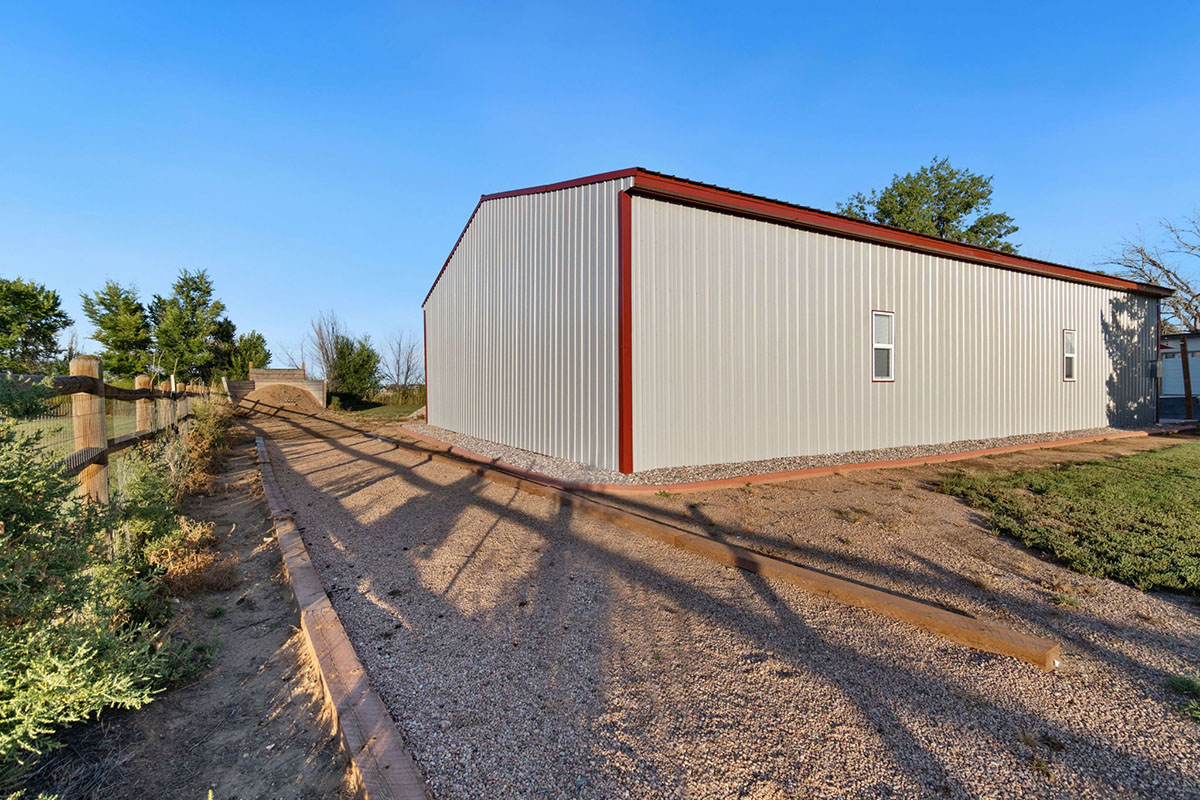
[527, 651]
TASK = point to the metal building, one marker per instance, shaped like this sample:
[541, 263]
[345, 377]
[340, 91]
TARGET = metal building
[633, 320]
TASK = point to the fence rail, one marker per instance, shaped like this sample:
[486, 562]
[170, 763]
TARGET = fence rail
[100, 420]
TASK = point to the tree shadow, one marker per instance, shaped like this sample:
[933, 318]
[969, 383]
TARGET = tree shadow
[431, 505]
[1129, 386]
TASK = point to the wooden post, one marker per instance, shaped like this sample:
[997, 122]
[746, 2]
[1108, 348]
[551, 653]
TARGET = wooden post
[1187, 378]
[185, 407]
[145, 408]
[87, 412]
[164, 406]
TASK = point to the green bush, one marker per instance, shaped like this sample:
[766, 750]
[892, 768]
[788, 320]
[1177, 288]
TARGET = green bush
[80, 614]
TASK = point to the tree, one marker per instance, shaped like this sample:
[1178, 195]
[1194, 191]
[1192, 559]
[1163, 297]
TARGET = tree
[250, 348]
[404, 364]
[937, 200]
[186, 326]
[1175, 265]
[31, 318]
[224, 342]
[325, 331]
[122, 329]
[355, 367]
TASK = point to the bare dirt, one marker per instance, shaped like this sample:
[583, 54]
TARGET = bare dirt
[250, 726]
[529, 651]
[280, 396]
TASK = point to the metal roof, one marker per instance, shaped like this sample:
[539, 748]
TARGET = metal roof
[663, 186]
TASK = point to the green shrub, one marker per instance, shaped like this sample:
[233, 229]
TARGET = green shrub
[80, 616]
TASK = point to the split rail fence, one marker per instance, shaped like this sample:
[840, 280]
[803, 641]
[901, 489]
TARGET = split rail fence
[88, 423]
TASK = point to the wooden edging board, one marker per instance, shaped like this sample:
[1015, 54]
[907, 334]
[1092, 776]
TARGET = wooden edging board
[773, 477]
[1041, 652]
[383, 768]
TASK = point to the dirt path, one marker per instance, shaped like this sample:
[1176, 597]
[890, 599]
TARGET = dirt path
[249, 727]
[530, 652]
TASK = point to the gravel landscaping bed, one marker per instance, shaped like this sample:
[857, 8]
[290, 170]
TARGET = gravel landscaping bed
[527, 651]
[564, 470]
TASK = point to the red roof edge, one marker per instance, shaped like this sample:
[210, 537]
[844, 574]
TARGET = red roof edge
[668, 187]
[682, 190]
[549, 187]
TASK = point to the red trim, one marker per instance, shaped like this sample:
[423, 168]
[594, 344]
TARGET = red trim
[425, 355]
[453, 250]
[667, 187]
[625, 332]
[554, 187]
[705, 196]
[773, 477]
[892, 379]
[549, 187]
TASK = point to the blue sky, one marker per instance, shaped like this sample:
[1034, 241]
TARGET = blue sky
[317, 156]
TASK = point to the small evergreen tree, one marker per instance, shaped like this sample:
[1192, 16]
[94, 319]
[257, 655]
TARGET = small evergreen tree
[187, 325]
[122, 329]
[31, 318]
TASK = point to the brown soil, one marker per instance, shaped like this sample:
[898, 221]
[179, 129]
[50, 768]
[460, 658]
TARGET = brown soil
[265, 413]
[526, 650]
[252, 725]
[280, 396]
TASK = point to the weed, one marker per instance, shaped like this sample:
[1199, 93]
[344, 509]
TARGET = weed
[844, 539]
[1187, 685]
[1127, 518]
[1064, 600]
[662, 493]
[847, 514]
[1041, 767]
[214, 612]
[980, 582]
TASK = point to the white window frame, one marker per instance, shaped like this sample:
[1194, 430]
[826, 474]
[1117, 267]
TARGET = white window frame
[891, 378]
[1073, 357]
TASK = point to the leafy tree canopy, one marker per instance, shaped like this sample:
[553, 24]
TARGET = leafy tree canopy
[937, 200]
[356, 366]
[250, 348]
[187, 326]
[31, 317]
[122, 329]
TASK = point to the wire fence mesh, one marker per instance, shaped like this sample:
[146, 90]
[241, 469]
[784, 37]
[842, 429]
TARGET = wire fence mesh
[81, 429]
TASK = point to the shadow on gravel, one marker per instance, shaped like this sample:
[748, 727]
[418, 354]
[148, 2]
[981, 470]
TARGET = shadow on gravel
[571, 626]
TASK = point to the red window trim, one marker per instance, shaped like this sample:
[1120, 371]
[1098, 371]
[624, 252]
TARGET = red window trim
[892, 379]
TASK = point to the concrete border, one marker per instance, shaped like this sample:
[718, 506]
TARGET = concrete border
[955, 626]
[383, 768]
[770, 477]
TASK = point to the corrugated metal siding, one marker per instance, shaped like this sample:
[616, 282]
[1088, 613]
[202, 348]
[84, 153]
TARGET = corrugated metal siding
[1172, 383]
[752, 340]
[522, 327]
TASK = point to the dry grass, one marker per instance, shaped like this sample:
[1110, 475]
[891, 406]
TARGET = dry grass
[192, 564]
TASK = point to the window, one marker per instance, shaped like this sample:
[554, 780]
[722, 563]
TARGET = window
[1069, 355]
[883, 346]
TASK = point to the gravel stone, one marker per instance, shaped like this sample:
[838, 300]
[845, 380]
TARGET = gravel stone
[528, 651]
[576, 472]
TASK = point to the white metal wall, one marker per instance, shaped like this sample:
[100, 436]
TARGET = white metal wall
[1172, 383]
[522, 327]
[752, 340]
